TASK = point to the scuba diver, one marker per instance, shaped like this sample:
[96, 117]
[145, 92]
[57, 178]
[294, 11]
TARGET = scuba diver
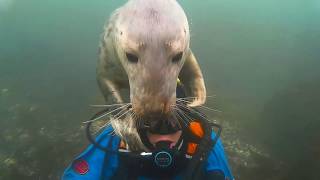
[198, 153]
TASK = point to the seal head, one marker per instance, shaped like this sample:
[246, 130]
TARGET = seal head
[145, 48]
[152, 43]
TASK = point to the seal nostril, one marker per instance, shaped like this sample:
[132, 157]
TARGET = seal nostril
[132, 58]
[177, 57]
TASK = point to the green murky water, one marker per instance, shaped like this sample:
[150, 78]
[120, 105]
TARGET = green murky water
[260, 58]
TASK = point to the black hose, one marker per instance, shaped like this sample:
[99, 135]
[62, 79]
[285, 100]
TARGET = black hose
[95, 143]
[89, 136]
[205, 146]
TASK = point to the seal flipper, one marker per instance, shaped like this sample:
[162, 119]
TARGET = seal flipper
[111, 76]
[192, 78]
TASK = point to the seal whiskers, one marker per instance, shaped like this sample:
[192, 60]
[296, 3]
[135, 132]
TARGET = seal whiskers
[185, 117]
[107, 113]
[185, 121]
[108, 105]
[196, 112]
[192, 98]
[116, 117]
[200, 106]
[126, 129]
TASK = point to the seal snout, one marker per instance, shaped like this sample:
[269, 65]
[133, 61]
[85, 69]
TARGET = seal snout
[160, 123]
[152, 108]
[156, 116]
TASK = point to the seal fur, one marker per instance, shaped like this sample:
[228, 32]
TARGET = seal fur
[156, 34]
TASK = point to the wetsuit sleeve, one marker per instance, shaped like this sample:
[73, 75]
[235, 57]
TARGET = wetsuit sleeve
[90, 163]
[217, 164]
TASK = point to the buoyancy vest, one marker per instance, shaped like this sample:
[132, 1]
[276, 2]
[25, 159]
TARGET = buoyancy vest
[96, 164]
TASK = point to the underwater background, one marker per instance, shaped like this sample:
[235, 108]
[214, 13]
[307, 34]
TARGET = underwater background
[260, 59]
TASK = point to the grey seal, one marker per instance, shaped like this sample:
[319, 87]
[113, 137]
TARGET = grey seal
[144, 49]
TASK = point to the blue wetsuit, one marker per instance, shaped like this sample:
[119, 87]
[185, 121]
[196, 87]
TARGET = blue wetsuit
[94, 163]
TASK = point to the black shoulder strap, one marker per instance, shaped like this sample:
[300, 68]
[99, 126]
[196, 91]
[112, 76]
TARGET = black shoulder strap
[196, 168]
[123, 172]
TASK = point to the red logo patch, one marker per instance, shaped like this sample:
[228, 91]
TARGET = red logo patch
[80, 166]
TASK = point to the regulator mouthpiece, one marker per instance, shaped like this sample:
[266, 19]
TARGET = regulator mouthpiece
[163, 155]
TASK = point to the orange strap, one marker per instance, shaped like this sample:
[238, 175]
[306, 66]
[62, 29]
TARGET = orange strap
[192, 147]
[196, 129]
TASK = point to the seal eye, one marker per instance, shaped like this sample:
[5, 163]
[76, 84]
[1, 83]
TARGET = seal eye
[177, 57]
[132, 58]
